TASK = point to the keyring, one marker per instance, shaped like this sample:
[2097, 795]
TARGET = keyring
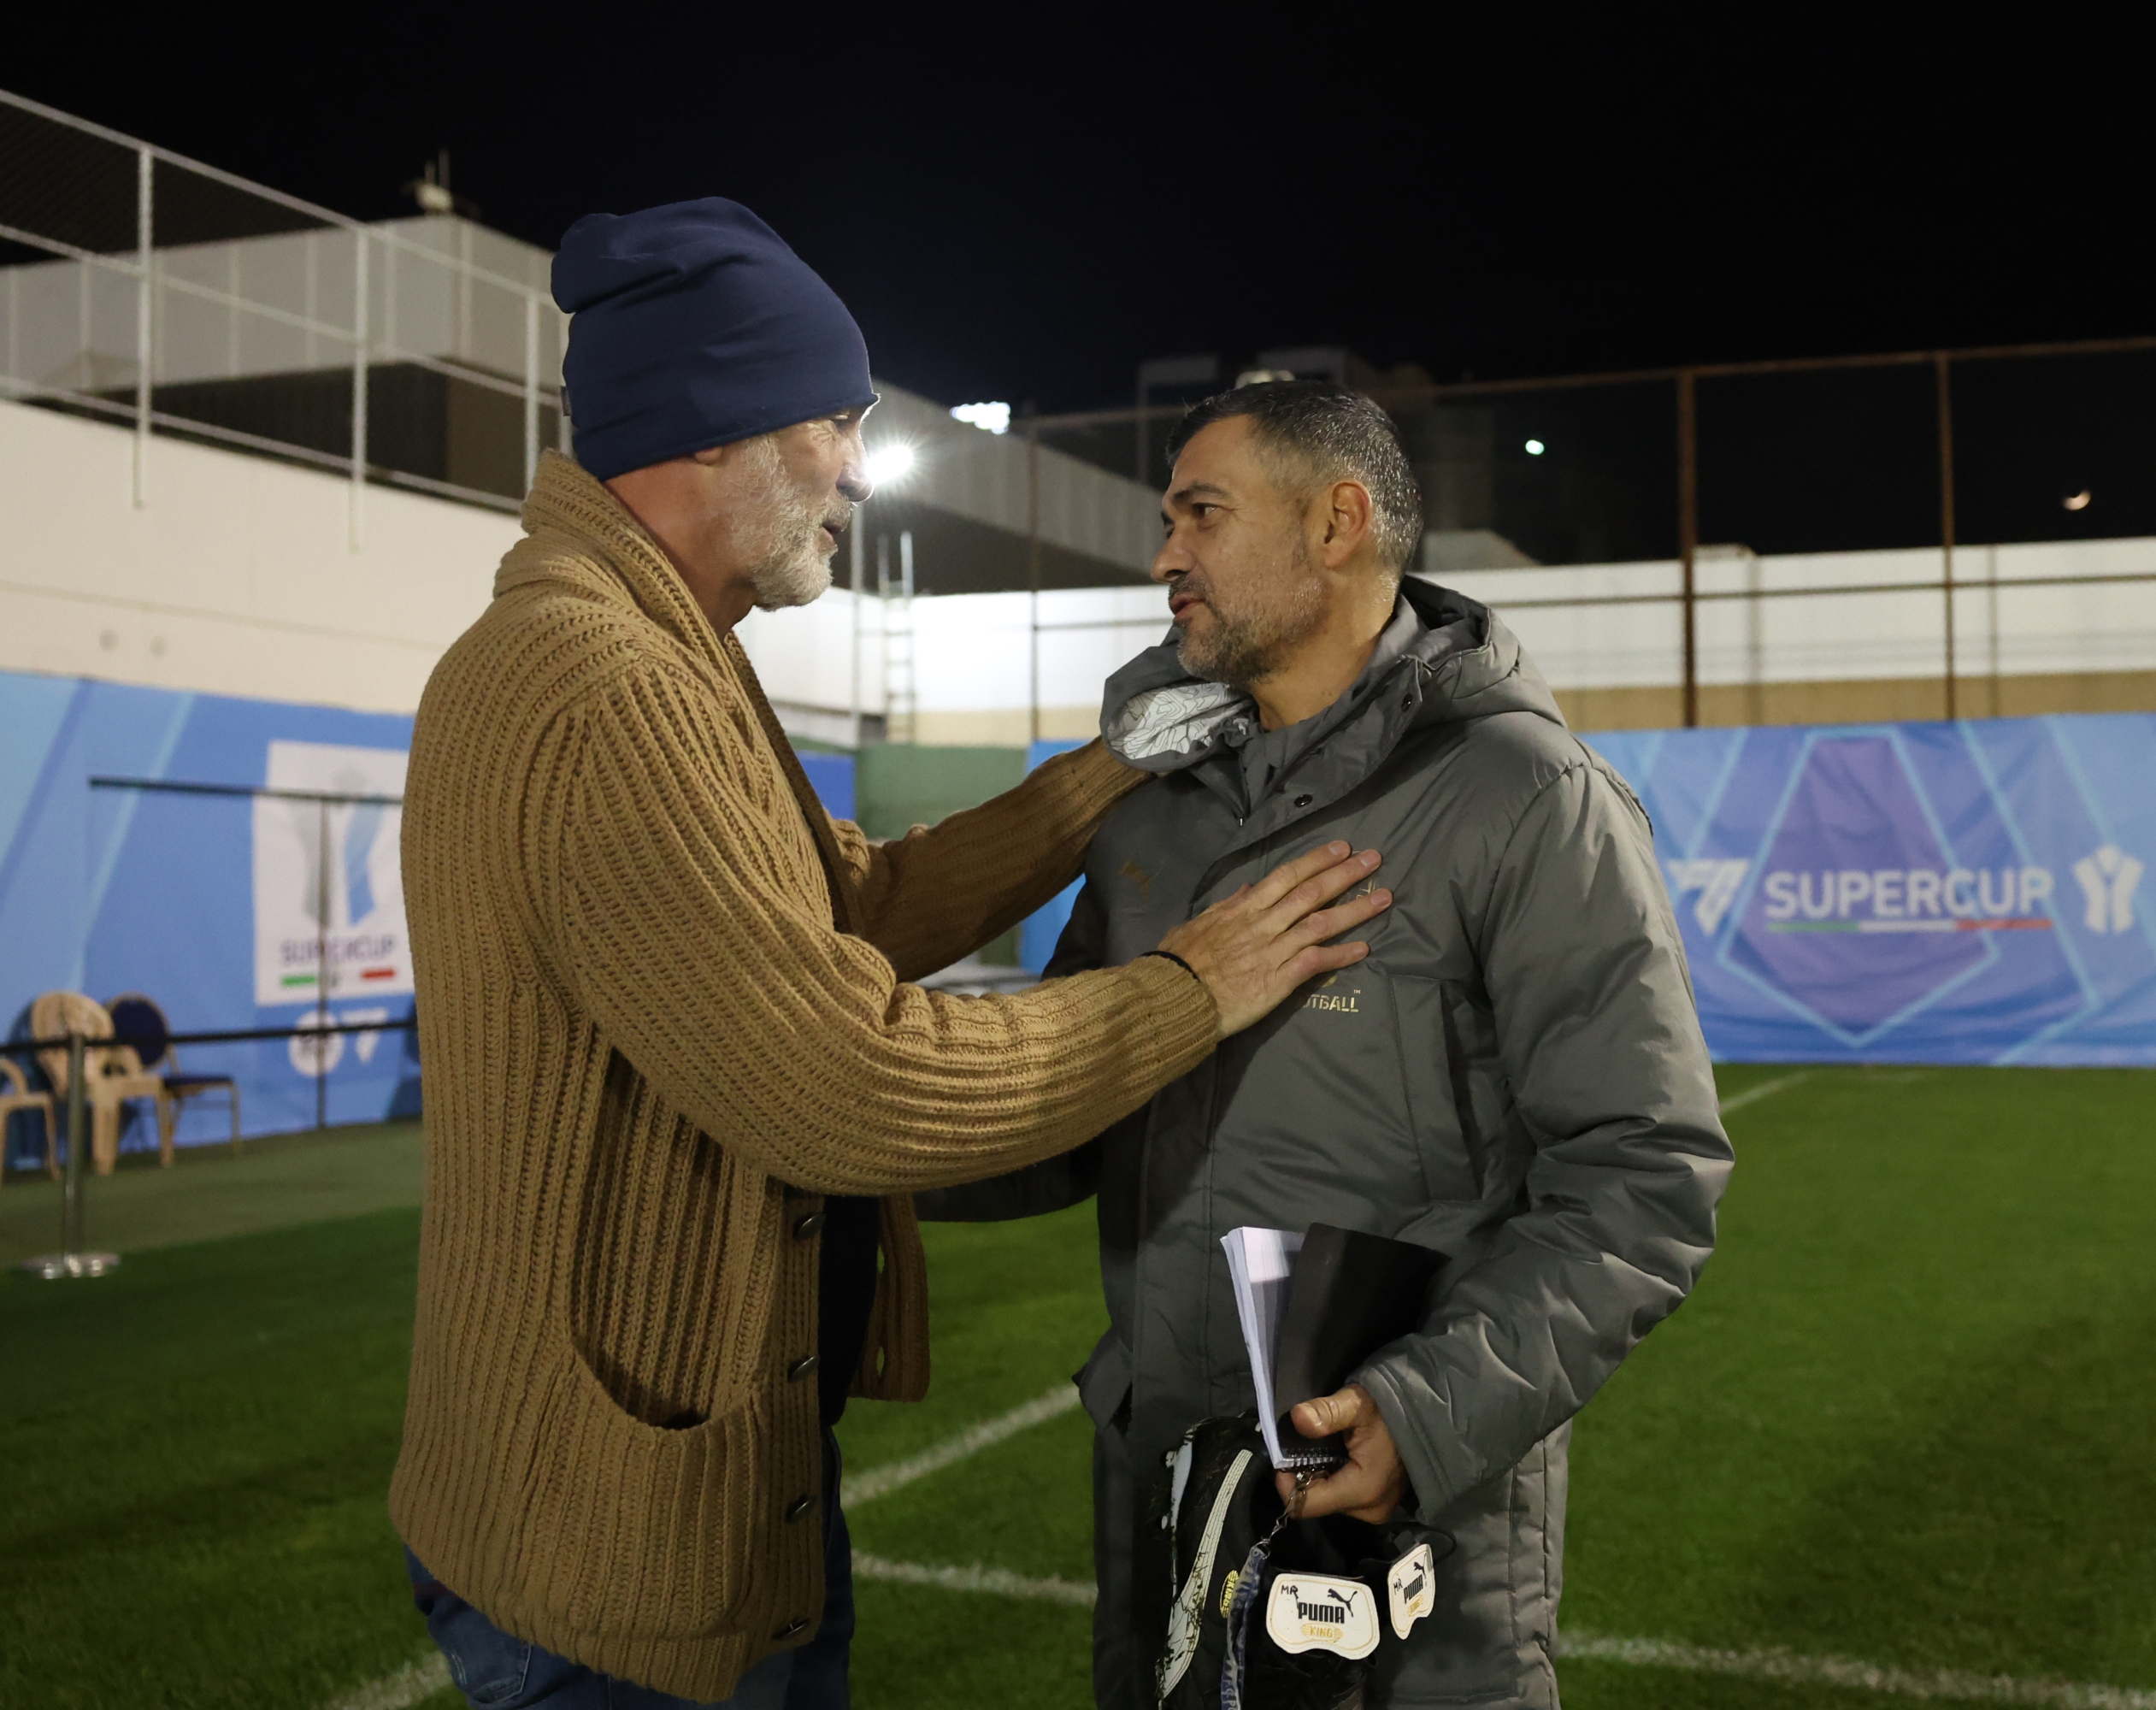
[1303, 1476]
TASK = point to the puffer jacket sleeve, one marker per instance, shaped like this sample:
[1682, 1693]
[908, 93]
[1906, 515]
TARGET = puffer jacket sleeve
[1599, 1041]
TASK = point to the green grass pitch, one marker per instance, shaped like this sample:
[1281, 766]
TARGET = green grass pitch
[1905, 1418]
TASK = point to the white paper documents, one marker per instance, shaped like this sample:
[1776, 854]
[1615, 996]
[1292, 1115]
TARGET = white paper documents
[1262, 1261]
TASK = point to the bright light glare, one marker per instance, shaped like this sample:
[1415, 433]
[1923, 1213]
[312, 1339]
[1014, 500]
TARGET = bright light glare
[994, 417]
[2077, 501]
[889, 464]
[1535, 448]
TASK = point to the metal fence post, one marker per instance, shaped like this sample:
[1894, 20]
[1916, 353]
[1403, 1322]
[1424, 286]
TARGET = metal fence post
[531, 391]
[70, 1260]
[1940, 367]
[78, 1144]
[910, 700]
[322, 970]
[1689, 534]
[860, 597]
[145, 173]
[359, 380]
[564, 440]
[1033, 576]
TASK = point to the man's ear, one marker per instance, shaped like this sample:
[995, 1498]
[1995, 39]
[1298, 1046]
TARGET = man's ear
[710, 455]
[1346, 514]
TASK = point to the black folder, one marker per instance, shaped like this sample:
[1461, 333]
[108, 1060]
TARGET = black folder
[1351, 1293]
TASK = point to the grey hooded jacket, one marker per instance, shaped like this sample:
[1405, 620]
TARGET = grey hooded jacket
[1514, 1076]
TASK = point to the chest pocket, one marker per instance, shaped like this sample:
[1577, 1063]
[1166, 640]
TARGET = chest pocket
[1312, 1113]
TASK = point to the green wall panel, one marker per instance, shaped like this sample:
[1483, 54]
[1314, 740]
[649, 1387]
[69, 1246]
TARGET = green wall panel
[898, 787]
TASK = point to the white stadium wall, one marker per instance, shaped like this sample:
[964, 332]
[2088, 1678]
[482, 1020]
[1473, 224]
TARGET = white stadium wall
[972, 660]
[1827, 657]
[2049, 645]
[239, 575]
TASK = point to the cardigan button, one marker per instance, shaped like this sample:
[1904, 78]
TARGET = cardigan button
[804, 1367]
[798, 1506]
[799, 1623]
[1304, 801]
[809, 1227]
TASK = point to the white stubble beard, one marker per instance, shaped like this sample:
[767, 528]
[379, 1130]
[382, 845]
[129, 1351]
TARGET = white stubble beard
[784, 526]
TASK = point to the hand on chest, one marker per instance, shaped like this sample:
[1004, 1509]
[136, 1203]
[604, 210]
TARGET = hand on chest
[1349, 1085]
[1148, 885]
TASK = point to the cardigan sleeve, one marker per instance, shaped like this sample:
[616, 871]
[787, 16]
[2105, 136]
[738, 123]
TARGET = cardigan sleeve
[658, 885]
[943, 891]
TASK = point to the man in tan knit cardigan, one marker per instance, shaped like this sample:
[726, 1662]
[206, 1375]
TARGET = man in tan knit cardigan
[679, 1092]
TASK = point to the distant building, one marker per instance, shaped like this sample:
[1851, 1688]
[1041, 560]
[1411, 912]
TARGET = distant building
[1453, 448]
[255, 447]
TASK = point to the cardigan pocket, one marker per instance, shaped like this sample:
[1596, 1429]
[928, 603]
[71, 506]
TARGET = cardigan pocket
[638, 1529]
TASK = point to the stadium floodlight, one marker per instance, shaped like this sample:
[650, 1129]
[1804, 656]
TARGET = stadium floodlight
[2077, 501]
[994, 418]
[890, 463]
[1535, 448]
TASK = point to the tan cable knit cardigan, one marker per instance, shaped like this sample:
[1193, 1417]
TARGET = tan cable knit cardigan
[647, 1050]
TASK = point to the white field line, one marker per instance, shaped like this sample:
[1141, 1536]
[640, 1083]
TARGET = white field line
[419, 1679]
[882, 1481]
[1751, 1095]
[1944, 1685]
[996, 1581]
[1952, 1684]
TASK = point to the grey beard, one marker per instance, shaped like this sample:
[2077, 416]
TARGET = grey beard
[1252, 645]
[791, 568]
[1235, 656]
[792, 576]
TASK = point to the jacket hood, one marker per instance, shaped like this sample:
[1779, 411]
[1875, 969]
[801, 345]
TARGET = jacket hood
[1462, 661]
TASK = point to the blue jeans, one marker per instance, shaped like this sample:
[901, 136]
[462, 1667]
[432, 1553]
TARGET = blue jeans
[496, 1672]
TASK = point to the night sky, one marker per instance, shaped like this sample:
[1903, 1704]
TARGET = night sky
[1023, 207]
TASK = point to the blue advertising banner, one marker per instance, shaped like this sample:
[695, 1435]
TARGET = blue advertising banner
[1038, 931]
[1964, 893]
[1967, 893]
[229, 912]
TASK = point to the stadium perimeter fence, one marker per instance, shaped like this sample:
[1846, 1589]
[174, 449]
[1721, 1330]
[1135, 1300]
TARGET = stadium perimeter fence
[147, 289]
[73, 1257]
[1674, 483]
[308, 1037]
[141, 287]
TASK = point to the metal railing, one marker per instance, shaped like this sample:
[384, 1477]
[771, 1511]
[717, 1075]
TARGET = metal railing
[75, 1258]
[207, 306]
[1636, 479]
[323, 801]
[441, 367]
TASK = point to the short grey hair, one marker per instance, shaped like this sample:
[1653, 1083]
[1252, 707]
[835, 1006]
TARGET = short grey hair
[1331, 434]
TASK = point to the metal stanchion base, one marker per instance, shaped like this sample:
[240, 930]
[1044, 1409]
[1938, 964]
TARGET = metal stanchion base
[53, 1266]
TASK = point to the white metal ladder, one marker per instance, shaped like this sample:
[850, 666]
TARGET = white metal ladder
[897, 599]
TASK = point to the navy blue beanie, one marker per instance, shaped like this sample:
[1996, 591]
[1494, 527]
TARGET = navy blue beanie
[696, 325]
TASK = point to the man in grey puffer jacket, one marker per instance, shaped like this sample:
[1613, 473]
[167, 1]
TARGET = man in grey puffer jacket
[1514, 1076]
